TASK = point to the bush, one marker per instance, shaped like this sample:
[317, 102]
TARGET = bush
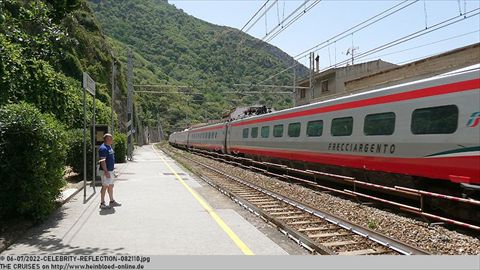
[120, 147]
[75, 151]
[32, 157]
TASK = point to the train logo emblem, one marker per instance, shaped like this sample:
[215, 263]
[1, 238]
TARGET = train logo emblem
[474, 120]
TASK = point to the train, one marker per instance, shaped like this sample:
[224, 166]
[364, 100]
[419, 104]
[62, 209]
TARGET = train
[424, 132]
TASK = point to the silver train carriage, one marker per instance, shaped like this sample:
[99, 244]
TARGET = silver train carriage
[427, 129]
[210, 138]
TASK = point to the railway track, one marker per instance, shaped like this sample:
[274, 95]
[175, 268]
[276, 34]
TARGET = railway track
[317, 231]
[309, 179]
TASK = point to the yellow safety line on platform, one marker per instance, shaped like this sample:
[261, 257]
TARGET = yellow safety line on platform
[210, 210]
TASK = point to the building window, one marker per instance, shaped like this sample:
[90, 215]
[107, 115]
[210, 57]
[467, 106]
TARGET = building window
[342, 126]
[245, 133]
[265, 132]
[278, 131]
[254, 132]
[302, 93]
[325, 86]
[435, 120]
[315, 128]
[294, 129]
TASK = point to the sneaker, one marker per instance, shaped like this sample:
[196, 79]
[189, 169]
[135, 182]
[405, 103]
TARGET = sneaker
[114, 203]
[104, 206]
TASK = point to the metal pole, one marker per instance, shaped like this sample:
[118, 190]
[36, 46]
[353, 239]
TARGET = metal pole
[112, 97]
[159, 128]
[94, 175]
[311, 75]
[84, 144]
[294, 86]
[130, 105]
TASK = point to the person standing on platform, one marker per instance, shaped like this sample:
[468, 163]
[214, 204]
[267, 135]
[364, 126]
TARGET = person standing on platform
[107, 164]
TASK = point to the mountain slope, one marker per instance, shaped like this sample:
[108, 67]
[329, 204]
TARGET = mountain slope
[180, 49]
[44, 48]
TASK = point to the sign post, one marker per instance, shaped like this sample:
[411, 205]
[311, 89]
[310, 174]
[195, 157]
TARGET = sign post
[88, 85]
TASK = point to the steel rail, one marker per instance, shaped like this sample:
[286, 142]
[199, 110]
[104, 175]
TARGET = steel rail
[383, 240]
[404, 192]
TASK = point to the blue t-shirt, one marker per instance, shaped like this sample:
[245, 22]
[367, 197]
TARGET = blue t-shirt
[105, 151]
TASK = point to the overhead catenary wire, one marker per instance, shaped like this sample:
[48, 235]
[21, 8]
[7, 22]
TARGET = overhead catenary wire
[416, 34]
[362, 25]
[403, 39]
[281, 26]
[260, 16]
[254, 15]
[424, 45]
[274, 35]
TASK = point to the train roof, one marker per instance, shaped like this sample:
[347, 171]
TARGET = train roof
[466, 70]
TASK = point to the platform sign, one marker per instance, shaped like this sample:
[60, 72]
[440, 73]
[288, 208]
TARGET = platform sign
[100, 130]
[88, 86]
[88, 83]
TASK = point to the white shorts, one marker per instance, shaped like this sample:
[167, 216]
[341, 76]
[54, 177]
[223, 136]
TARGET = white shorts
[107, 181]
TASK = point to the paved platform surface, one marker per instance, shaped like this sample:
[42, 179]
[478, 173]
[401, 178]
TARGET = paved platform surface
[160, 215]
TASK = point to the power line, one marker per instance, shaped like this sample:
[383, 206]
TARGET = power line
[416, 34]
[362, 25]
[271, 36]
[370, 21]
[254, 15]
[426, 44]
[285, 19]
[403, 39]
[260, 16]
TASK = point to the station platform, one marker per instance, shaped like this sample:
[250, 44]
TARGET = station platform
[165, 211]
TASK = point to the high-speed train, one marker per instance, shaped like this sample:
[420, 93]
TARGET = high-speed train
[427, 130]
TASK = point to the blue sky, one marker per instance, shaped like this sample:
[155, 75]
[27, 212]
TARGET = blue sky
[330, 17]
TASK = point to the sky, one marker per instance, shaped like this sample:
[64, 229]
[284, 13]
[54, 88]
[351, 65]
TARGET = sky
[331, 17]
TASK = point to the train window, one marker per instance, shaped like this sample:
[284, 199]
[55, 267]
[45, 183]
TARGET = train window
[342, 126]
[265, 132]
[435, 120]
[294, 129]
[315, 128]
[245, 133]
[278, 131]
[379, 124]
[254, 132]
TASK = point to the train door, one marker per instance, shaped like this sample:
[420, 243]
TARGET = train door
[227, 139]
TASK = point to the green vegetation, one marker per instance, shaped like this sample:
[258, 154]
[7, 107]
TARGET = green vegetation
[44, 47]
[120, 147]
[40, 61]
[32, 155]
[75, 151]
[372, 224]
[174, 48]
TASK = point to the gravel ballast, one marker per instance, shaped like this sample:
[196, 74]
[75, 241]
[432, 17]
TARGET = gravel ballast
[433, 239]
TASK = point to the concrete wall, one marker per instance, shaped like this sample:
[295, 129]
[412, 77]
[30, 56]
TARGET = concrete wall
[336, 80]
[424, 68]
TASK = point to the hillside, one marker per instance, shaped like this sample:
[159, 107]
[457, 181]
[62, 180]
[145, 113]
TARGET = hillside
[45, 46]
[175, 48]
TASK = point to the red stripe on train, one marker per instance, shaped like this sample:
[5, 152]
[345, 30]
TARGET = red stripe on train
[457, 169]
[215, 147]
[415, 94]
